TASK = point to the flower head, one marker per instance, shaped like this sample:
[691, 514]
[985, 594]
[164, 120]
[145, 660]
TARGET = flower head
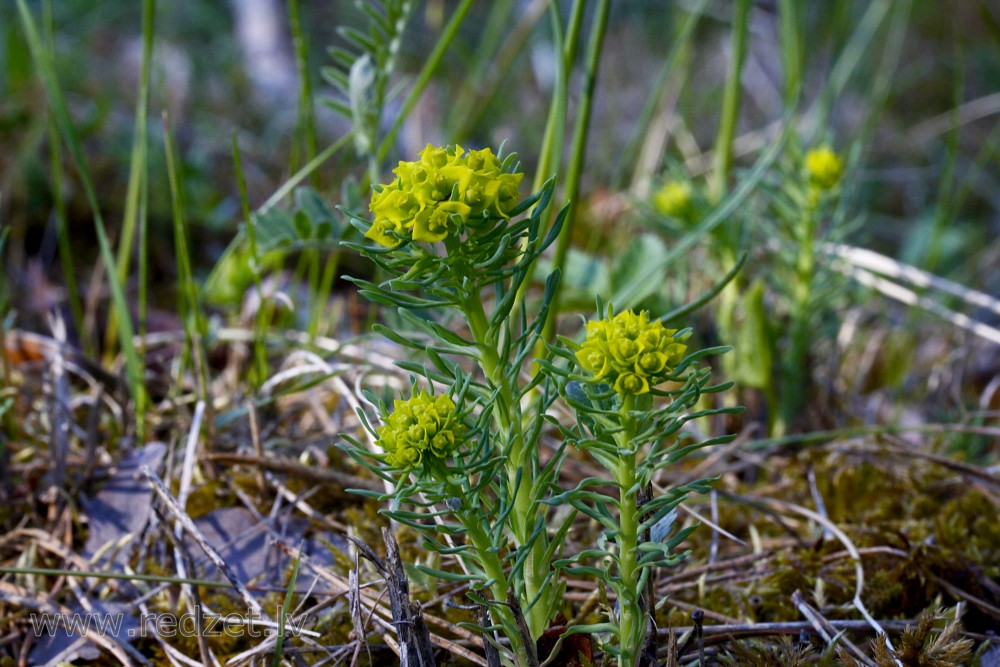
[674, 199]
[629, 352]
[436, 196]
[420, 428]
[824, 167]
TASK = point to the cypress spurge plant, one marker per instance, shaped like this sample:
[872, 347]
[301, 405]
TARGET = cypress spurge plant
[449, 235]
[463, 459]
[805, 198]
[634, 385]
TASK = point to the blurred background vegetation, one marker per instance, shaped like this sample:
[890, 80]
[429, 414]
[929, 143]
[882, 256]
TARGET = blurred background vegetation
[923, 179]
[906, 92]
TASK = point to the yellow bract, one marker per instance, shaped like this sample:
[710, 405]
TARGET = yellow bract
[421, 427]
[824, 167]
[629, 352]
[439, 194]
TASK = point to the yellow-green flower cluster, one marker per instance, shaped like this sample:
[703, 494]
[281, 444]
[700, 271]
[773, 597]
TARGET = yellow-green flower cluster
[674, 199]
[437, 195]
[418, 428]
[824, 167]
[629, 352]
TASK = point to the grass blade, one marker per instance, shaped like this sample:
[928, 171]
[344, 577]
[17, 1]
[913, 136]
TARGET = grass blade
[279, 643]
[46, 71]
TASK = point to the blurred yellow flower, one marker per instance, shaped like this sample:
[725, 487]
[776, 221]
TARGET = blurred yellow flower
[824, 167]
[674, 199]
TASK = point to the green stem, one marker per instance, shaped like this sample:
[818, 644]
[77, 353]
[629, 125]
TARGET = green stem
[791, 49]
[631, 622]
[306, 119]
[597, 32]
[474, 100]
[550, 158]
[505, 417]
[46, 71]
[59, 205]
[195, 326]
[723, 161]
[555, 124]
[430, 66]
[323, 298]
[138, 172]
[259, 325]
[797, 365]
[474, 522]
[490, 562]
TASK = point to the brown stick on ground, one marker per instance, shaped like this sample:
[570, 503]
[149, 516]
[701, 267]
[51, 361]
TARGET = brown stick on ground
[415, 649]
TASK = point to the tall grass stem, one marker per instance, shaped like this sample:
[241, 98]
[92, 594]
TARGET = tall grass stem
[59, 203]
[578, 158]
[260, 364]
[731, 97]
[423, 78]
[46, 71]
[195, 327]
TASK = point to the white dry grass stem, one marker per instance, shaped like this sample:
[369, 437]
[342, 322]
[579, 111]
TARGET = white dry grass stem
[859, 571]
[868, 268]
[171, 504]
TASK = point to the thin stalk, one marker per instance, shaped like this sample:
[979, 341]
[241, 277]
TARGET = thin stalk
[59, 202]
[555, 125]
[325, 289]
[138, 168]
[983, 156]
[946, 187]
[117, 576]
[505, 417]
[550, 158]
[9, 422]
[796, 371]
[311, 256]
[259, 347]
[597, 32]
[194, 323]
[143, 276]
[723, 157]
[489, 560]
[631, 621]
[512, 48]
[288, 186]
[573, 31]
[719, 215]
[493, 569]
[791, 49]
[306, 116]
[46, 70]
[285, 609]
[862, 34]
[319, 287]
[279, 194]
[423, 78]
